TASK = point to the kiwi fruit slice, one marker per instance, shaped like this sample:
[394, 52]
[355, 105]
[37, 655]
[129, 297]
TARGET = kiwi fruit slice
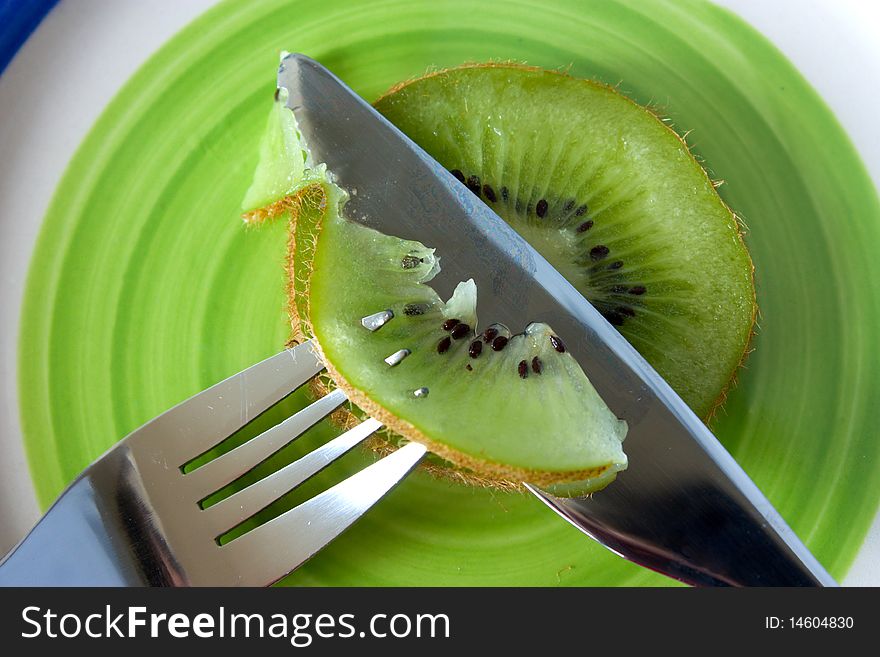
[611, 196]
[507, 408]
[605, 190]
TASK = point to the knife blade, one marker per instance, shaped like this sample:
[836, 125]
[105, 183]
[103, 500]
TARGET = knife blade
[683, 507]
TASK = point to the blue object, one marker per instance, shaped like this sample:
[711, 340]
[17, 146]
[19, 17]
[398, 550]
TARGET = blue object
[18, 18]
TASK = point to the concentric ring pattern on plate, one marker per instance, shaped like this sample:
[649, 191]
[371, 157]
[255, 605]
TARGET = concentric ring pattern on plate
[145, 288]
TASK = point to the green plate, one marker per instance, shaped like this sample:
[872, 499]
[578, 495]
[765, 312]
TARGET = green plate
[145, 287]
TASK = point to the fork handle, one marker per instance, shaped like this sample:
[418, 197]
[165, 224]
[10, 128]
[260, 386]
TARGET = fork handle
[73, 543]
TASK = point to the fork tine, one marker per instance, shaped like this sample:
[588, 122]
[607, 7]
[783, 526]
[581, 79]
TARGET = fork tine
[240, 506]
[196, 425]
[269, 552]
[228, 467]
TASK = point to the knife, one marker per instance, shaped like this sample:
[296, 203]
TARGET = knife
[683, 507]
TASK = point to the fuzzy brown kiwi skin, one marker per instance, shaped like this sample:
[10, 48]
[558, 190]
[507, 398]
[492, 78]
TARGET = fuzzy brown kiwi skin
[738, 222]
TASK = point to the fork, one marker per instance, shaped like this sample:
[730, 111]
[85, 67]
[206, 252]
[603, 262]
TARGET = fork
[135, 517]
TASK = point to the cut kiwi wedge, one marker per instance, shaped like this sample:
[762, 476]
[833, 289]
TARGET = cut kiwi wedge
[281, 167]
[611, 196]
[508, 408]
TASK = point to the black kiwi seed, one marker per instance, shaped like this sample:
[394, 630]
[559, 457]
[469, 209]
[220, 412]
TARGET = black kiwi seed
[460, 330]
[541, 208]
[569, 205]
[637, 289]
[504, 193]
[599, 251]
[614, 318]
[557, 344]
[617, 264]
[625, 310]
[490, 334]
[458, 174]
[449, 324]
[499, 343]
[523, 369]
[584, 227]
[414, 309]
[537, 365]
[469, 368]
[473, 184]
[443, 345]
[489, 193]
[581, 211]
[410, 262]
[475, 349]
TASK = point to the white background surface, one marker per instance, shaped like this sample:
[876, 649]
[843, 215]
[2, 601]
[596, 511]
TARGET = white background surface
[85, 50]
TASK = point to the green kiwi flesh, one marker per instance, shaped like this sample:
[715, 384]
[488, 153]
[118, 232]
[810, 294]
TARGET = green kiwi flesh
[611, 196]
[281, 168]
[506, 407]
[509, 408]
